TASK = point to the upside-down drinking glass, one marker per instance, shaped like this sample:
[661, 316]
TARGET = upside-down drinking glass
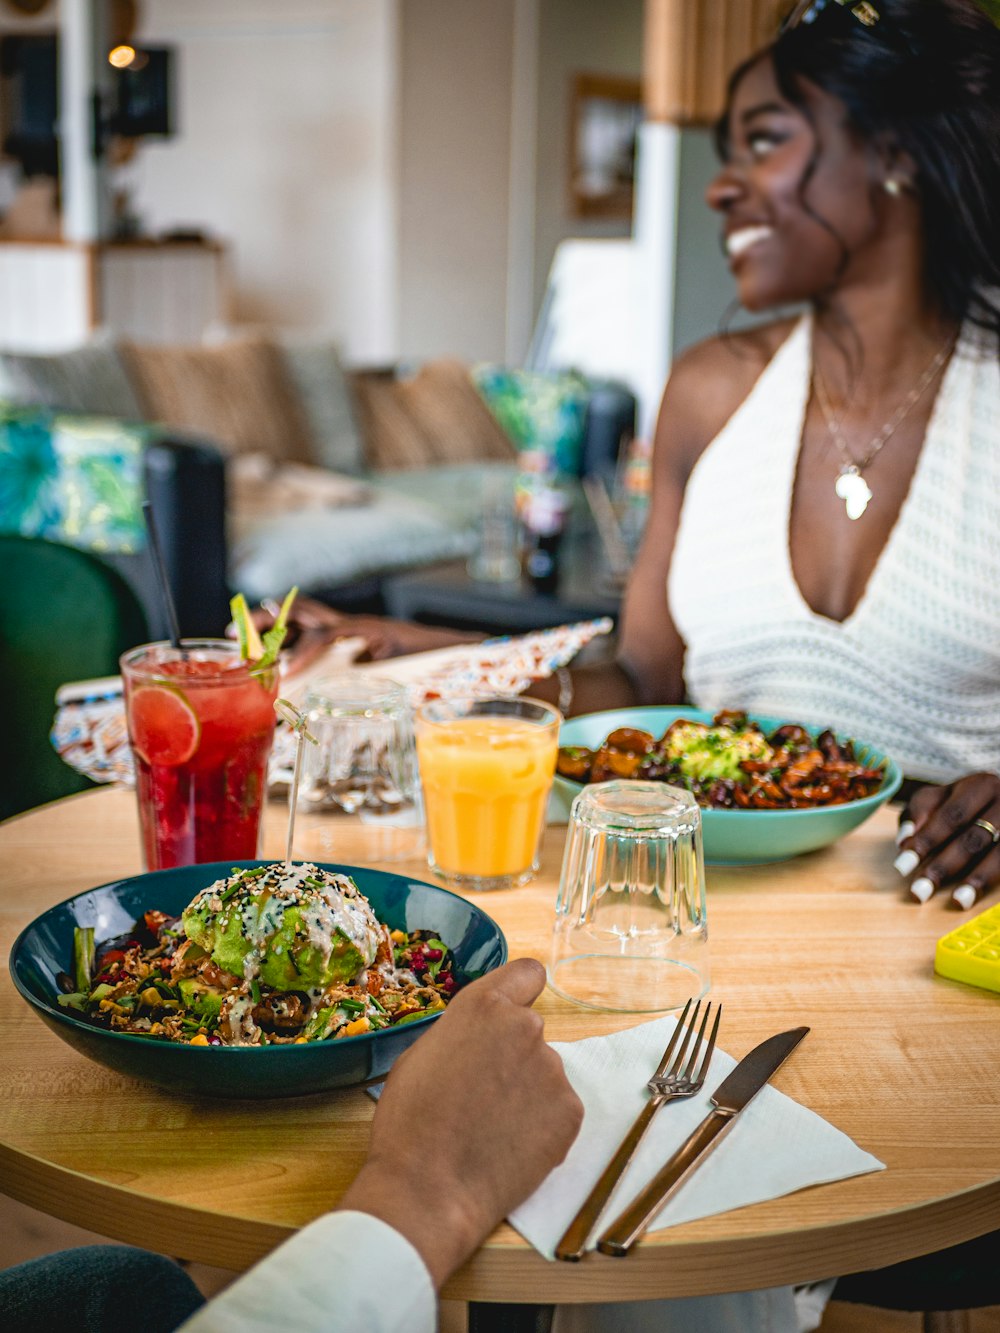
[631, 931]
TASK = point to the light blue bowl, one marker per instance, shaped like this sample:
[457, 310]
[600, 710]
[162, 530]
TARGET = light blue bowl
[740, 837]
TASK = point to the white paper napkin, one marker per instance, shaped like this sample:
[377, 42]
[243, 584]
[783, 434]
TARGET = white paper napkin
[776, 1147]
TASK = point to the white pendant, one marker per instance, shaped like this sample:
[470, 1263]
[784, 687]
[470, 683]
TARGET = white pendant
[853, 490]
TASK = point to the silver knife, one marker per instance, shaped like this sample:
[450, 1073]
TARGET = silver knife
[729, 1099]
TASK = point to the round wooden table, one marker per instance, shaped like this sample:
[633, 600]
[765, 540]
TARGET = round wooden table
[901, 1060]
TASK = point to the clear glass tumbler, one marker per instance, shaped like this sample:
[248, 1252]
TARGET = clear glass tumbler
[200, 722]
[496, 558]
[631, 932]
[486, 766]
[364, 764]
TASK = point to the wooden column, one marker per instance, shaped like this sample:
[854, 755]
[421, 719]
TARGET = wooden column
[692, 46]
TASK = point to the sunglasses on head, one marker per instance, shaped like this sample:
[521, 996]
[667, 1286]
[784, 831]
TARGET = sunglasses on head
[807, 11]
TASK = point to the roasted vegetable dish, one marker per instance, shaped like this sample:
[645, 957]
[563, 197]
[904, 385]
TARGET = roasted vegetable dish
[731, 764]
[280, 954]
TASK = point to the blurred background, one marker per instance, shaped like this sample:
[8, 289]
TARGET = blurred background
[410, 176]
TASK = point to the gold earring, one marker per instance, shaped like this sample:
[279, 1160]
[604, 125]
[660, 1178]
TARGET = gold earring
[892, 186]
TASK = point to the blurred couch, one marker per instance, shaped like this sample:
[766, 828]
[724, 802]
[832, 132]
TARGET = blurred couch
[333, 478]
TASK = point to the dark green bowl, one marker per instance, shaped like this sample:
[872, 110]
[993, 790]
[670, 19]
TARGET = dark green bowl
[740, 837]
[45, 948]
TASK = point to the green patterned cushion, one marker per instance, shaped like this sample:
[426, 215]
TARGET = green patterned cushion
[540, 410]
[72, 479]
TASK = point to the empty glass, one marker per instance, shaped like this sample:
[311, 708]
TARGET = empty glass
[363, 765]
[631, 932]
[496, 558]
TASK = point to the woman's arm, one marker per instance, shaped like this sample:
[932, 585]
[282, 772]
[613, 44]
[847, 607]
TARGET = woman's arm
[313, 626]
[648, 667]
[707, 384]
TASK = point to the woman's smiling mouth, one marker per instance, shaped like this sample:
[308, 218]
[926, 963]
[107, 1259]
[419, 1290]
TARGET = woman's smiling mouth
[738, 242]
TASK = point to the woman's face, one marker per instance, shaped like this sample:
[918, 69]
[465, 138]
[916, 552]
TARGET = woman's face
[778, 247]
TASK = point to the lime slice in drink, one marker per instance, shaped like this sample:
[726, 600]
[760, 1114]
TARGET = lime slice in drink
[163, 725]
[251, 647]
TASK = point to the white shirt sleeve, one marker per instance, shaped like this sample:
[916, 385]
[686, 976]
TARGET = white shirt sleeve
[347, 1270]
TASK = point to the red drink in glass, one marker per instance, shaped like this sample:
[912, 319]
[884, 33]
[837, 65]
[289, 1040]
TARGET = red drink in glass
[201, 725]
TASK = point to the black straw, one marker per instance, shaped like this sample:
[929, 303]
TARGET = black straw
[161, 575]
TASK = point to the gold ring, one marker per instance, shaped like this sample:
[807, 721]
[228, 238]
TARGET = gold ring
[991, 829]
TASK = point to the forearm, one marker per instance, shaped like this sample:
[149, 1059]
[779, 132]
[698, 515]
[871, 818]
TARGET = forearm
[438, 1224]
[441, 636]
[593, 688]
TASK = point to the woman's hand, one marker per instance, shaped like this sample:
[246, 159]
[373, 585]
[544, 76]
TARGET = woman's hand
[950, 837]
[313, 626]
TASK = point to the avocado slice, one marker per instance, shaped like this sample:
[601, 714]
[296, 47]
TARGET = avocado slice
[200, 998]
[289, 962]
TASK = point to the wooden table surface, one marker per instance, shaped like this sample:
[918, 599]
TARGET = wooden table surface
[903, 1061]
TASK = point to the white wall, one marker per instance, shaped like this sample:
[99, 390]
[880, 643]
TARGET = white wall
[287, 150]
[455, 113]
[575, 36]
[355, 157]
[459, 223]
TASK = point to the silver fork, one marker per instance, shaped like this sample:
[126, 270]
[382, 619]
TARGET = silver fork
[673, 1079]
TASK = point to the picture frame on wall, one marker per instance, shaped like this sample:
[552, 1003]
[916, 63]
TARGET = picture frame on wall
[606, 111]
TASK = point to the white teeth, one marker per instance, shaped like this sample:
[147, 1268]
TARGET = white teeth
[739, 241]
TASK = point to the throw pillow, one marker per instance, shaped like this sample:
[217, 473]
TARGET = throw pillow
[433, 416]
[77, 480]
[540, 410]
[257, 487]
[236, 395]
[315, 370]
[319, 551]
[88, 379]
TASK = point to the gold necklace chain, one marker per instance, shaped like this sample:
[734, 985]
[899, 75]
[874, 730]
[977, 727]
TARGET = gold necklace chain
[895, 421]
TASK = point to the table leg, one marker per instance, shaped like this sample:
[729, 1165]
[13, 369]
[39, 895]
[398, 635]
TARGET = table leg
[485, 1318]
[946, 1321]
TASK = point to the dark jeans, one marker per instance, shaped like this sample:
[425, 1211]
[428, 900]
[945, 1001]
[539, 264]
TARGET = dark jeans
[963, 1277]
[96, 1289]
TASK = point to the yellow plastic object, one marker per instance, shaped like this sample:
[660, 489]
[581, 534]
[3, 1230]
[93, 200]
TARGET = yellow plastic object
[972, 952]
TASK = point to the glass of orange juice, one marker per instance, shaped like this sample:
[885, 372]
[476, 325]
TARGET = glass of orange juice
[486, 766]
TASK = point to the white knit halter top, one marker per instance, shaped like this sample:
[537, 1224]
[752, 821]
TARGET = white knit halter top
[915, 669]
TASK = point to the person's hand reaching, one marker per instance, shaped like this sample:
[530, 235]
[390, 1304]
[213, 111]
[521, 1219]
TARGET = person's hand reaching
[949, 837]
[472, 1119]
[313, 626]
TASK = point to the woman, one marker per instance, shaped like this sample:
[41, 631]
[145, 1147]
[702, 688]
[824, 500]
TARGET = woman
[822, 539]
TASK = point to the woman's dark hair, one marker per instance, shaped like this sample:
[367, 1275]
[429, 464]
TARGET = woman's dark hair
[925, 79]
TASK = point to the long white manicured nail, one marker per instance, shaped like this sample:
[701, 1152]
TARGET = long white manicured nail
[906, 862]
[922, 888]
[965, 895]
[905, 830]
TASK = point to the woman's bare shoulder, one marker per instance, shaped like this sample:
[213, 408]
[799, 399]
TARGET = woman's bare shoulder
[710, 379]
[729, 363]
